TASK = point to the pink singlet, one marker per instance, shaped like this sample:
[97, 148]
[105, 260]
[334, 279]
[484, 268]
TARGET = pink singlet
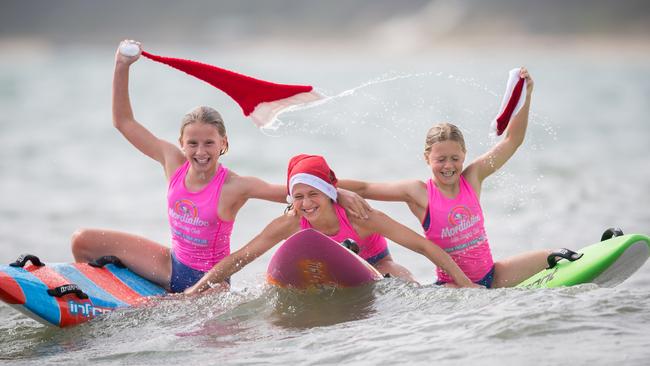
[456, 226]
[200, 239]
[369, 246]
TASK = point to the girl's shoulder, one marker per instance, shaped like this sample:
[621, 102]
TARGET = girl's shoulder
[174, 160]
[412, 184]
[471, 175]
[415, 184]
[415, 190]
[418, 192]
[231, 175]
[233, 188]
[240, 183]
[419, 186]
[234, 180]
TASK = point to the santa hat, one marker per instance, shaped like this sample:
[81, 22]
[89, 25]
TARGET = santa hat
[313, 171]
[259, 99]
[512, 101]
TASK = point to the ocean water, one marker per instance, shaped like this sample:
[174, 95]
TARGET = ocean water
[583, 168]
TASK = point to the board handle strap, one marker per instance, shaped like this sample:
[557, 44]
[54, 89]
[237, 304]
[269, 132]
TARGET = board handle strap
[612, 232]
[67, 289]
[24, 258]
[352, 245]
[562, 253]
[107, 259]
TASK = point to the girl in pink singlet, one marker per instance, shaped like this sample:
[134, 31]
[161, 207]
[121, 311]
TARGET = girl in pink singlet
[312, 190]
[203, 196]
[448, 204]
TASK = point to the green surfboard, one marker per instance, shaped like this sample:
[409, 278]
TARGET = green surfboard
[606, 263]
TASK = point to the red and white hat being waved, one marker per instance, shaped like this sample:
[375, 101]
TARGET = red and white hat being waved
[260, 99]
[313, 171]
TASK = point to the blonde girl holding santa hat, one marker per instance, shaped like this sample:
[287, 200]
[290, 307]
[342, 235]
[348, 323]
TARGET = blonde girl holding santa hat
[312, 190]
[448, 204]
[203, 195]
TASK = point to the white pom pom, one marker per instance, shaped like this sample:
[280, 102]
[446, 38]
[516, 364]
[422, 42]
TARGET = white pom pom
[129, 49]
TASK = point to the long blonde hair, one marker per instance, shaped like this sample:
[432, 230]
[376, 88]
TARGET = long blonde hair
[207, 115]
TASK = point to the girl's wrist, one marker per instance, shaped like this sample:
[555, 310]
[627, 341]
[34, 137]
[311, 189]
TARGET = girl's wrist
[121, 65]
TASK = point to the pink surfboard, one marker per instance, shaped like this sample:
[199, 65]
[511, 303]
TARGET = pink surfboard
[309, 259]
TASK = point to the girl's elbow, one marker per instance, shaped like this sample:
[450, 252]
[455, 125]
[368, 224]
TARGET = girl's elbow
[421, 248]
[120, 123]
[515, 139]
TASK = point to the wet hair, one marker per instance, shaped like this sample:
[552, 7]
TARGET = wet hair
[207, 115]
[443, 132]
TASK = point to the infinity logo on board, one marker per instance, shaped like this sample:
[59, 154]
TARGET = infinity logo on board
[86, 309]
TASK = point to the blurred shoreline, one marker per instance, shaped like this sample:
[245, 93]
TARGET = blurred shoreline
[382, 27]
[635, 48]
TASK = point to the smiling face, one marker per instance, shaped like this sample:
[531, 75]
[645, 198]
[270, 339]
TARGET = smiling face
[446, 160]
[202, 144]
[309, 202]
[444, 152]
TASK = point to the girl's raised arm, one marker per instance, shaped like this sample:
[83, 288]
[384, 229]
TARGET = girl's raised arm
[494, 159]
[123, 119]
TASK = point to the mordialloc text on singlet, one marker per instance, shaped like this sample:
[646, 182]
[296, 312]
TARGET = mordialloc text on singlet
[457, 226]
[200, 239]
[369, 246]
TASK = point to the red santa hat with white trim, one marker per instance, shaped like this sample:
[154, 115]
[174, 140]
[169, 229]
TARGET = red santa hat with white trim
[513, 100]
[259, 99]
[313, 171]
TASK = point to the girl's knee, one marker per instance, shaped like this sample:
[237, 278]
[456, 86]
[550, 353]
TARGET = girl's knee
[500, 276]
[80, 243]
[498, 267]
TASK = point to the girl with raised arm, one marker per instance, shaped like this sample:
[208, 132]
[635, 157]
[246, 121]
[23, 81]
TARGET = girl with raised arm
[448, 204]
[203, 195]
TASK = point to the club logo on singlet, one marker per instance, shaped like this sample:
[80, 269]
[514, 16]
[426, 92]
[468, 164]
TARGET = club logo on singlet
[460, 218]
[459, 214]
[186, 212]
[186, 208]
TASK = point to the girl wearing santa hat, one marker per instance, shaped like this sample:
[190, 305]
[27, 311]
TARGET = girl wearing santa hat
[448, 205]
[312, 191]
[203, 195]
